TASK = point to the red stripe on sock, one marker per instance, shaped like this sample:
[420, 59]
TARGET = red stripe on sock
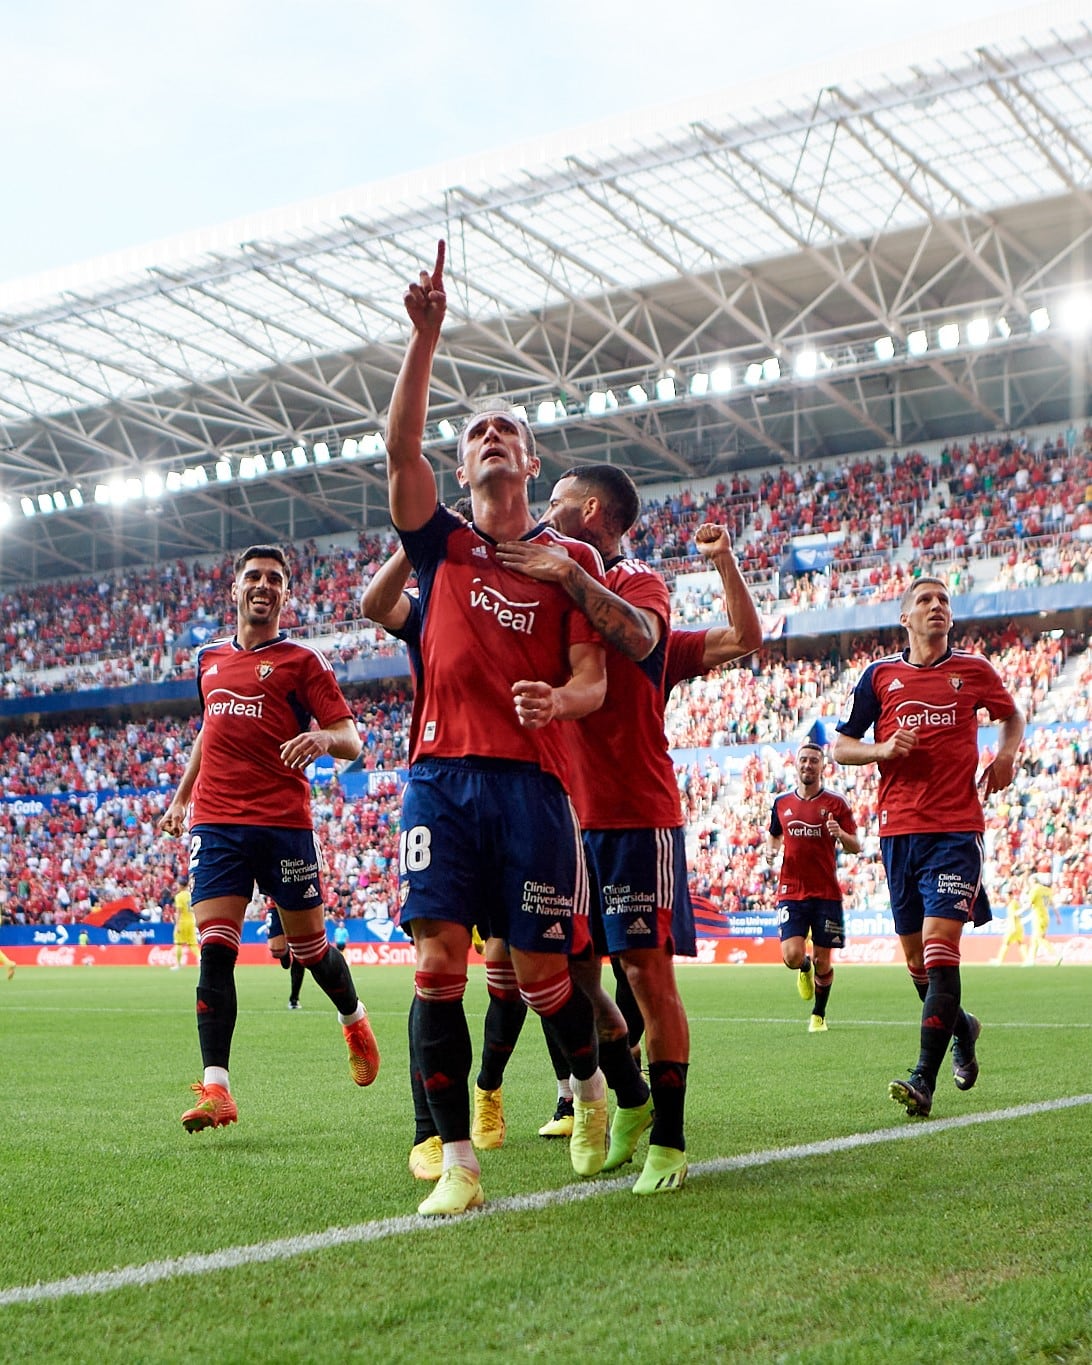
[500, 980]
[223, 931]
[439, 985]
[309, 950]
[548, 996]
[940, 953]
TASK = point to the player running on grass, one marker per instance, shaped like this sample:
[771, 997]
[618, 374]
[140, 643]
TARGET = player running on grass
[248, 801]
[810, 823]
[922, 707]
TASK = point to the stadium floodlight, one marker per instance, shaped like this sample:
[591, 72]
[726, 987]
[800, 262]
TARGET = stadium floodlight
[884, 348]
[153, 484]
[1075, 315]
[771, 368]
[917, 341]
[299, 456]
[720, 381]
[75, 497]
[174, 481]
[805, 365]
[519, 412]
[948, 336]
[597, 403]
[699, 383]
[1003, 328]
[753, 373]
[446, 428]
[246, 467]
[372, 444]
[260, 465]
[60, 502]
[280, 459]
[547, 411]
[665, 387]
[1039, 319]
[27, 504]
[102, 495]
[978, 331]
[638, 394]
[223, 471]
[45, 502]
[195, 477]
[321, 452]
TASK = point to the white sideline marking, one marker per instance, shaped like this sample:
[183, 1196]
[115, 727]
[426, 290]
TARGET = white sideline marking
[103, 1282]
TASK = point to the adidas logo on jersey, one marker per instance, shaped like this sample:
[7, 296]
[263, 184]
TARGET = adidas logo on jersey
[896, 686]
[312, 890]
[480, 552]
[555, 931]
[638, 926]
[214, 669]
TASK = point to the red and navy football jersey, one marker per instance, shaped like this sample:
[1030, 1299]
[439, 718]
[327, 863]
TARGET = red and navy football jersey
[624, 777]
[483, 628]
[932, 789]
[253, 701]
[809, 858]
[685, 651]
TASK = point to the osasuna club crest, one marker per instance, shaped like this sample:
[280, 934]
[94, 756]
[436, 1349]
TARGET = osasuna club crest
[956, 682]
[263, 671]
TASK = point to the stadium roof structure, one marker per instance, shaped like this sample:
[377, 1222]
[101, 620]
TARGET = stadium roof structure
[778, 275]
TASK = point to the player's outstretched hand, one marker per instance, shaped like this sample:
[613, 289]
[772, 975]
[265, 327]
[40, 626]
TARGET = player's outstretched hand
[426, 301]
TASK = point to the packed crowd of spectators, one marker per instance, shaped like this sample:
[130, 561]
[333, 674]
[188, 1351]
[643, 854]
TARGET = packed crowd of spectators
[889, 518]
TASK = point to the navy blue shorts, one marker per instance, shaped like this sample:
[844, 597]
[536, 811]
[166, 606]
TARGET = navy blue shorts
[934, 876]
[496, 844]
[823, 918]
[640, 896]
[226, 860]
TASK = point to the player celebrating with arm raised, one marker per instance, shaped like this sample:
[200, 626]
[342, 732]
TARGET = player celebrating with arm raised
[250, 818]
[922, 707]
[810, 823]
[488, 831]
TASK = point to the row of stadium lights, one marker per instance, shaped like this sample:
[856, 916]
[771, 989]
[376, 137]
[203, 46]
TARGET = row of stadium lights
[153, 485]
[1075, 318]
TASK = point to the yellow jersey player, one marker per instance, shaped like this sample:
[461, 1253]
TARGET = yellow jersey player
[1014, 926]
[7, 964]
[185, 929]
[1042, 904]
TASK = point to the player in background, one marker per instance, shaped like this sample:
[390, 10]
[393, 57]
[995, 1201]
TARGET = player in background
[247, 799]
[185, 928]
[627, 798]
[922, 707]
[809, 824]
[7, 964]
[1041, 903]
[1014, 925]
[488, 829]
[278, 947]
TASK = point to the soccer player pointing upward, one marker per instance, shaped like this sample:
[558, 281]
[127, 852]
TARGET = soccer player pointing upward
[922, 707]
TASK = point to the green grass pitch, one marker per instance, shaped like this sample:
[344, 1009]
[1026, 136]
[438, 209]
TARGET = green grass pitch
[844, 1241]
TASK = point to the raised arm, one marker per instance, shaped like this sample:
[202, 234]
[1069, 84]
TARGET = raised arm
[744, 633]
[384, 600]
[412, 481]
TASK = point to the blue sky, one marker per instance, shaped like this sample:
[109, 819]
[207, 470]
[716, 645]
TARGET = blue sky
[125, 123]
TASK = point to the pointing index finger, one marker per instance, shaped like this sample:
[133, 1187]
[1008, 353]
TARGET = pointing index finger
[438, 269]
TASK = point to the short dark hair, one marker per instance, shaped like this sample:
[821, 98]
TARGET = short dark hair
[263, 552]
[526, 434]
[811, 744]
[908, 596]
[614, 488]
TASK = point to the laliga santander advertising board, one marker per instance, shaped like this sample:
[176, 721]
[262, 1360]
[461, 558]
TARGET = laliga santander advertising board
[733, 940]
